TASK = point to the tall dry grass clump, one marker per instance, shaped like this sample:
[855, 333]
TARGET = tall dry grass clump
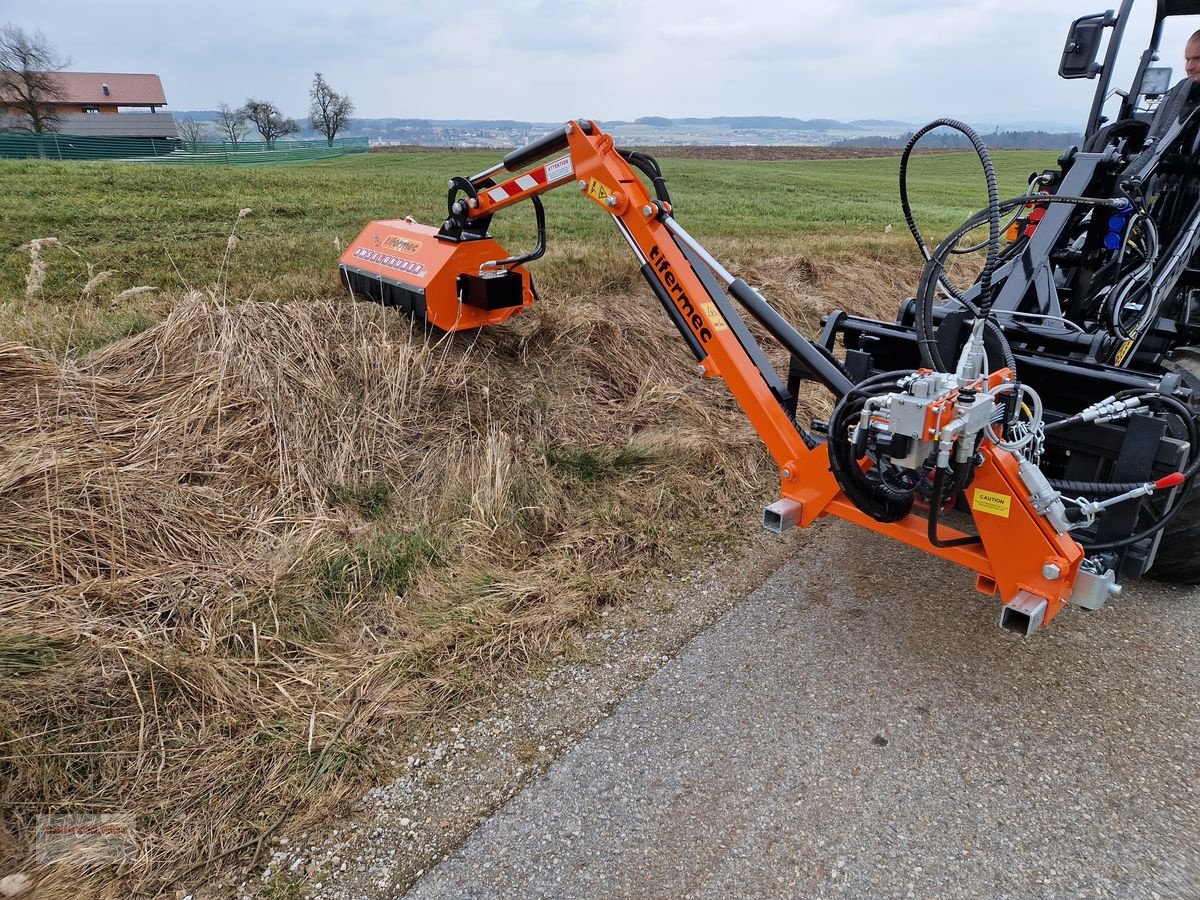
[246, 550]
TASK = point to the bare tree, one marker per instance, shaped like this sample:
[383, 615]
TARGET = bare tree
[329, 111]
[269, 121]
[28, 85]
[192, 132]
[231, 123]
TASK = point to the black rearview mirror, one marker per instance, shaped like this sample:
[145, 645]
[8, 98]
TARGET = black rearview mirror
[1083, 43]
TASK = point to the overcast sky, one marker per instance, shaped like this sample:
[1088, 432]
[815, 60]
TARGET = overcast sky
[549, 60]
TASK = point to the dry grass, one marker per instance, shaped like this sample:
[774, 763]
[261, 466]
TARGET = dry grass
[249, 547]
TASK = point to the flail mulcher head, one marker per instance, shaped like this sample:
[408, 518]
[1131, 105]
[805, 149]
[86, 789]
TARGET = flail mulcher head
[458, 276]
[451, 282]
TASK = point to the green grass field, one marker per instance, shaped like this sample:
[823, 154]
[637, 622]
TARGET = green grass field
[168, 228]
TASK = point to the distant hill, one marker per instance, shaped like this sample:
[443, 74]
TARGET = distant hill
[781, 123]
[997, 140]
[667, 131]
[888, 124]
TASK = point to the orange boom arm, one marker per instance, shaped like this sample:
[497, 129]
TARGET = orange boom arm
[942, 432]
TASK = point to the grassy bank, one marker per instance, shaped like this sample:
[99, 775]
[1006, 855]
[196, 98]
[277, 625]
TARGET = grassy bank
[249, 546]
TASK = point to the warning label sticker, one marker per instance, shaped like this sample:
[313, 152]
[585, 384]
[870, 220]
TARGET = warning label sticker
[718, 321]
[598, 191]
[992, 504]
[559, 169]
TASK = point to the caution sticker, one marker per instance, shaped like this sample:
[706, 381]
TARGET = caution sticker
[598, 191]
[992, 504]
[559, 169]
[1123, 352]
[718, 321]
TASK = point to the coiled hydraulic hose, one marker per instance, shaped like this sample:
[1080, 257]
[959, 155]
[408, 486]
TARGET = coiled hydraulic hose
[993, 207]
[870, 491]
[933, 275]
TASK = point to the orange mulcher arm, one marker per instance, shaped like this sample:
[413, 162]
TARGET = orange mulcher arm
[894, 443]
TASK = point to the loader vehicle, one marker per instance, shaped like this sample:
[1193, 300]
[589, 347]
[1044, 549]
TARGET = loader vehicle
[1039, 427]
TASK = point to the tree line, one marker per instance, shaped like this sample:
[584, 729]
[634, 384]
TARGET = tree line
[997, 140]
[329, 112]
[30, 93]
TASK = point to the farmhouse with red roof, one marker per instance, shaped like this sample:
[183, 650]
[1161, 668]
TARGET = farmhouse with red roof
[111, 104]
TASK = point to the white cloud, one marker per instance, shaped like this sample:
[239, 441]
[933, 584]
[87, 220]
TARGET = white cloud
[549, 60]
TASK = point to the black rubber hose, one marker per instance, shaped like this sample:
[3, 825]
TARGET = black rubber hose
[863, 388]
[1103, 488]
[649, 166]
[993, 207]
[539, 250]
[935, 506]
[935, 264]
[926, 332]
[828, 354]
[1193, 428]
[1007, 206]
[874, 496]
[1149, 531]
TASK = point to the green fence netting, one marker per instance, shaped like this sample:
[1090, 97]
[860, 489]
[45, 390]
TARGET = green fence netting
[170, 150]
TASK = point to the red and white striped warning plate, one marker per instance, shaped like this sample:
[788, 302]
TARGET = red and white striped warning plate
[550, 173]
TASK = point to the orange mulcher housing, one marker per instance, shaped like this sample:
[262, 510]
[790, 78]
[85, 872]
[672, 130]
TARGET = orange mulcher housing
[402, 263]
[457, 277]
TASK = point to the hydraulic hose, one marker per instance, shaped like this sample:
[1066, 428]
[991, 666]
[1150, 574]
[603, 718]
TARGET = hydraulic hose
[993, 207]
[869, 491]
[935, 263]
[961, 478]
[926, 332]
[1102, 488]
[1189, 420]
[649, 167]
[539, 213]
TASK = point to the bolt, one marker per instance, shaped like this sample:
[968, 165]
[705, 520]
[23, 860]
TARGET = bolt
[700, 370]
[581, 184]
[1051, 572]
[473, 203]
[450, 184]
[610, 201]
[458, 207]
[647, 210]
[787, 473]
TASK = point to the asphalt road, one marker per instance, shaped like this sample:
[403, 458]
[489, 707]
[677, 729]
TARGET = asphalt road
[861, 727]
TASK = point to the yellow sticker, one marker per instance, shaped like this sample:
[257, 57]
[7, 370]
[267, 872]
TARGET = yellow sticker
[718, 321]
[598, 191]
[992, 504]
[1123, 351]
